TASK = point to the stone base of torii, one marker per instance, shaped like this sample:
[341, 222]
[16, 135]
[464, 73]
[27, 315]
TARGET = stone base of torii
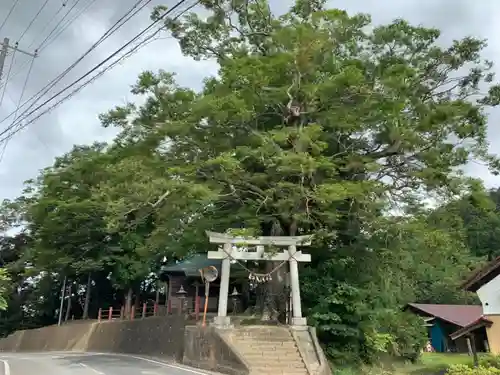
[230, 251]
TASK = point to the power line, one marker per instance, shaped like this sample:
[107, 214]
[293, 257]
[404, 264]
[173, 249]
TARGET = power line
[3, 56]
[33, 20]
[54, 30]
[129, 226]
[13, 75]
[116, 26]
[8, 76]
[26, 63]
[18, 103]
[106, 35]
[137, 37]
[9, 14]
[18, 125]
[63, 5]
[24, 88]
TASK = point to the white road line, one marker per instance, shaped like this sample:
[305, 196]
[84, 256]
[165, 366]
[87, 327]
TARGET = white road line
[90, 368]
[6, 367]
[169, 365]
[163, 364]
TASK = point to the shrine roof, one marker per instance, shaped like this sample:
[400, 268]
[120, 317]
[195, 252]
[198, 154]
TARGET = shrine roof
[190, 266]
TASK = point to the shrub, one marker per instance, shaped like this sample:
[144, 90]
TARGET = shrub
[362, 370]
[469, 370]
[403, 335]
[490, 360]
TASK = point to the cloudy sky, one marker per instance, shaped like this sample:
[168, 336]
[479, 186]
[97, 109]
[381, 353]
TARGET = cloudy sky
[75, 121]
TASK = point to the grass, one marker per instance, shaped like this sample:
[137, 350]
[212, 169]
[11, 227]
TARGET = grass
[429, 364]
[434, 364]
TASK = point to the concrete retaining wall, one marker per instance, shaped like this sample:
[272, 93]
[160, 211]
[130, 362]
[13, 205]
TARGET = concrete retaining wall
[205, 348]
[160, 337]
[165, 337]
[72, 337]
[11, 343]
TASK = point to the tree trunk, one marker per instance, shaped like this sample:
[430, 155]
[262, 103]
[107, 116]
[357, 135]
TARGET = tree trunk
[273, 308]
[269, 303]
[68, 306]
[167, 293]
[137, 302]
[87, 297]
[128, 302]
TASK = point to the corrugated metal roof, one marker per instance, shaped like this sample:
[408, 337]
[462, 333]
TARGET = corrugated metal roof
[460, 315]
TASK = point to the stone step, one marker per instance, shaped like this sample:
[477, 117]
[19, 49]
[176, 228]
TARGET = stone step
[278, 371]
[264, 334]
[268, 352]
[263, 340]
[274, 372]
[254, 328]
[281, 335]
[253, 331]
[268, 349]
[286, 358]
[277, 365]
[277, 344]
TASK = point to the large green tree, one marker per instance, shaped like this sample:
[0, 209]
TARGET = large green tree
[316, 123]
[479, 216]
[65, 220]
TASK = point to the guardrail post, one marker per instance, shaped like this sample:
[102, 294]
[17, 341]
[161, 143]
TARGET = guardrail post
[132, 313]
[122, 312]
[110, 315]
[99, 315]
[155, 309]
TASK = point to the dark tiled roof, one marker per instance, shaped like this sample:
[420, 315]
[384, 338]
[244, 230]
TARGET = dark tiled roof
[460, 315]
[482, 276]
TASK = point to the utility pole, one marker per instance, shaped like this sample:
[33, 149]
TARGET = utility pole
[61, 307]
[5, 50]
[3, 55]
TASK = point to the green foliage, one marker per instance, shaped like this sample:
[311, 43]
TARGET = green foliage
[490, 360]
[363, 370]
[469, 370]
[317, 123]
[479, 214]
[408, 333]
[4, 288]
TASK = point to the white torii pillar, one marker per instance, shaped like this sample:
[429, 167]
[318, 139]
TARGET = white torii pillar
[222, 320]
[297, 318]
[291, 255]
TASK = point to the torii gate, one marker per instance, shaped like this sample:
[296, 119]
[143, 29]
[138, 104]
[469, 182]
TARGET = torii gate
[229, 252]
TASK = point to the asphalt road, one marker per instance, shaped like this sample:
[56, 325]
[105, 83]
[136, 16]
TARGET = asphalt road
[87, 364]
